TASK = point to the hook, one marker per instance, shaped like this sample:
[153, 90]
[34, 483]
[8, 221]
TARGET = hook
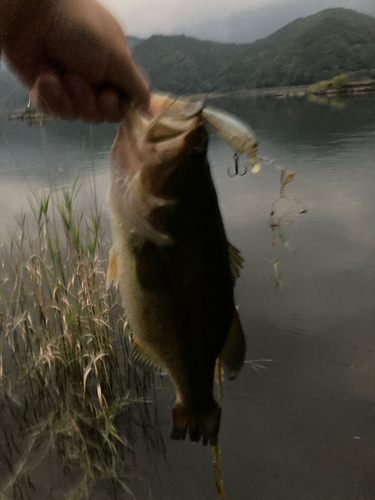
[236, 168]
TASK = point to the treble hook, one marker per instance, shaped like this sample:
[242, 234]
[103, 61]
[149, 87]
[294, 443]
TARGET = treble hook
[236, 168]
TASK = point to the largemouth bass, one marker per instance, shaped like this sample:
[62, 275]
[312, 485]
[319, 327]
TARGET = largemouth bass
[172, 260]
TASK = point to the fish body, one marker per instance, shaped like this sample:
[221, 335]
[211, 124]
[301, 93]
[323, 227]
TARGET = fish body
[170, 257]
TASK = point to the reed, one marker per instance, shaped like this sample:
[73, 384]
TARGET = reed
[64, 371]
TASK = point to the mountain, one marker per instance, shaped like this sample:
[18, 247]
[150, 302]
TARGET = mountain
[309, 49]
[182, 64]
[133, 41]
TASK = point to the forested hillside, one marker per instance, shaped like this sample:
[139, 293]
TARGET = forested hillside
[309, 49]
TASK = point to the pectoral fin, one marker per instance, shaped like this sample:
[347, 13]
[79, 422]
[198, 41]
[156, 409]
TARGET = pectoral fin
[143, 358]
[234, 350]
[112, 271]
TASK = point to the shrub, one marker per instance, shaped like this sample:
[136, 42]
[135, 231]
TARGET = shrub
[340, 80]
[319, 87]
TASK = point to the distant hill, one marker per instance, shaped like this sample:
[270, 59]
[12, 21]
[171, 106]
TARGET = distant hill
[133, 41]
[309, 49]
[182, 64]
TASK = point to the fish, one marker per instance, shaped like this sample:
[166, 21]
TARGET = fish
[172, 260]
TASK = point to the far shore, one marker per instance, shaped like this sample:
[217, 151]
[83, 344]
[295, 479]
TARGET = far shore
[292, 91]
[299, 91]
[358, 88]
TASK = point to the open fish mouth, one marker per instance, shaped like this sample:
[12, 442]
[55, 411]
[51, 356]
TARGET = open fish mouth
[168, 117]
[147, 159]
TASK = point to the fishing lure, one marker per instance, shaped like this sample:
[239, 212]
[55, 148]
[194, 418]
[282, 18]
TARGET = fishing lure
[234, 132]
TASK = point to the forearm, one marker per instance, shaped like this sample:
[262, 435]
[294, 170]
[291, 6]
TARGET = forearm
[8, 10]
[14, 12]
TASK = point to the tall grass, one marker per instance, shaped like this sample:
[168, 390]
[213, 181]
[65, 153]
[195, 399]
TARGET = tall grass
[64, 370]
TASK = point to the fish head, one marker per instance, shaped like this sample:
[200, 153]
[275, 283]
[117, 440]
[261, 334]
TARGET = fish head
[150, 158]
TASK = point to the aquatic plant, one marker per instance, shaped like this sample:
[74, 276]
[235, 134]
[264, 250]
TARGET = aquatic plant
[65, 379]
[284, 212]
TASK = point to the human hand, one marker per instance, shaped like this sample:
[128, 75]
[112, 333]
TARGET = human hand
[72, 54]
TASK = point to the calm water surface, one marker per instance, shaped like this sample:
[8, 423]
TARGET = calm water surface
[303, 428]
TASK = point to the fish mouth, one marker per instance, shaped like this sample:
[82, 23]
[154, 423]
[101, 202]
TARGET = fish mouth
[169, 118]
[180, 107]
[149, 160]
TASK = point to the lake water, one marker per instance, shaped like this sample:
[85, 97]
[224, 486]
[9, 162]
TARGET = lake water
[303, 428]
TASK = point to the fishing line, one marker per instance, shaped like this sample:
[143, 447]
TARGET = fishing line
[160, 115]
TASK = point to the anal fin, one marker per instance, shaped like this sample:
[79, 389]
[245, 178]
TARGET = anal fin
[234, 350]
[141, 357]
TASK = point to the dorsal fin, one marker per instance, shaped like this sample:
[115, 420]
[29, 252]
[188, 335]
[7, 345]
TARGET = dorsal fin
[235, 260]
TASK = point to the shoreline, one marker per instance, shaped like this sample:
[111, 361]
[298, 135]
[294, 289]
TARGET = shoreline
[291, 91]
[295, 91]
[347, 90]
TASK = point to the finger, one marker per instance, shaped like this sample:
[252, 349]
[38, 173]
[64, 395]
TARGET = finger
[124, 74]
[110, 106]
[83, 98]
[91, 106]
[49, 95]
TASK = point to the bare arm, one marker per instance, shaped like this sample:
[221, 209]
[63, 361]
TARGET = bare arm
[72, 54]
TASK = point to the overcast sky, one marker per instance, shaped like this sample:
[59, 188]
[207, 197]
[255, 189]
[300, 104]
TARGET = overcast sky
[146, 17]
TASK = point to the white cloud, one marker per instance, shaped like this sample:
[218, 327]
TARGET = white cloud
[146, 17]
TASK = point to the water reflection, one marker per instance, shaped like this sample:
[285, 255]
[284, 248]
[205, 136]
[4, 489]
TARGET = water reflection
[336, 102]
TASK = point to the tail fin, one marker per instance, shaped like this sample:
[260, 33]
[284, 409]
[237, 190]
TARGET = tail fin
[200, 424]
